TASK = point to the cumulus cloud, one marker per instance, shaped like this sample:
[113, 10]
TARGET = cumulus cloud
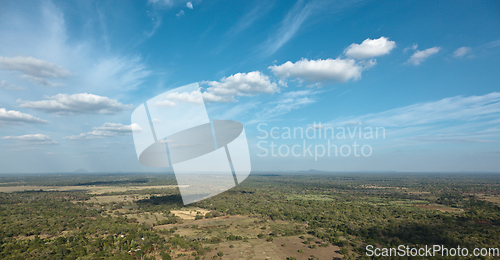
[119, 128]
[239, 84]
[33, 67]
[370, 48]
[107, 130]
[420, 56]
[82, 103]
[334, 70]
[189, 5]
[462, 51]
[165, 103]
[7, 86]
[35, 70]
[189, 97]
[32, 139]
[180, 13]
[337, 70]
[13, 116]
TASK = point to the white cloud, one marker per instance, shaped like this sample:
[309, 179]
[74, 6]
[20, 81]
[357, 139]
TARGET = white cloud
[288, 102]
[492, 44]
[180, 13]
[211, 97]
[462, 51]
[281, 107]
[447, 109]
[35, 70]
[249, 18]
[300, 93]
[107, 130]
[189, 5]
[239, 84]
[335, 70]
[41, 81]
[87, 63]
[167, 3]
[370, 48]
[116, 74]
[119, 128]
[5, 85]
[32, 139]
[165, 103]
[18, 117]
[33, 67]
[90, 135]
[317, 126]
[420, 56]
[289, 27]
[188, 97]
[455, 119]
[413, 47]
[82, 103]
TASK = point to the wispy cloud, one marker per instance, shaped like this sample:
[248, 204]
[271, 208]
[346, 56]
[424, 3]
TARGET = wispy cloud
[289, 26]
[445, 110]
[453, 119]
[492, 44]
[246, 21]
[7, 86]
[462, 51]
[288, 102]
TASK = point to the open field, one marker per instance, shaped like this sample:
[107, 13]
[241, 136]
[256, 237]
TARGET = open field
[220, 226]
[189, 213]
[441, 208]
[117, 198]
[491, 198]
[252, 247]
[89, 189]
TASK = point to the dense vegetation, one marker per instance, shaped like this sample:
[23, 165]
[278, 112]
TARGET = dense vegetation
[349, 211]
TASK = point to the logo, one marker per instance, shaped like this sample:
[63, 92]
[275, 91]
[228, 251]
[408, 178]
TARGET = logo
[208, 156]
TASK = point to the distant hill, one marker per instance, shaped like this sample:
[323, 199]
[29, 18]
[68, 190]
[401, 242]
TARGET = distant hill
[81, 171]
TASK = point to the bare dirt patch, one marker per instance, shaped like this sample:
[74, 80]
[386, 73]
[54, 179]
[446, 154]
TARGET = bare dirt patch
[89, 189]
[189, 213]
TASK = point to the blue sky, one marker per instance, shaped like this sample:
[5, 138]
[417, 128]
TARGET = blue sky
[426, 72]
